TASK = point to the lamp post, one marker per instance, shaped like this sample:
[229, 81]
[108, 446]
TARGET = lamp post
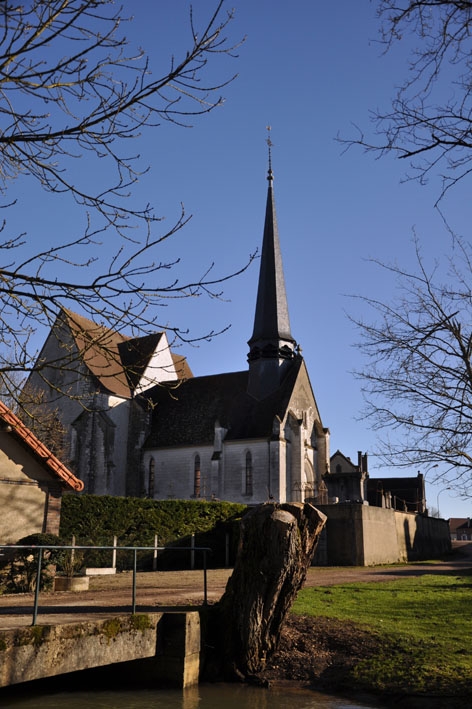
[437, 499]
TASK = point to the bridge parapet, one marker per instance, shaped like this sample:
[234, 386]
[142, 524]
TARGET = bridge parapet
[167, 643]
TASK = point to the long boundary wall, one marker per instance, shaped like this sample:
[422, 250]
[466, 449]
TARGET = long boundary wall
[360, 535]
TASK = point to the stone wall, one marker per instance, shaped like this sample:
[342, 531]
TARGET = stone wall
[361, 535]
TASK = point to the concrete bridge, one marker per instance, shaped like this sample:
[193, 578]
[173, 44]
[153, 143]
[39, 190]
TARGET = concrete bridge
[160, 647]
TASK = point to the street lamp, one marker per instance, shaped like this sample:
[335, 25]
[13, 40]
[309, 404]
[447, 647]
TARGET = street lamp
[437, 500]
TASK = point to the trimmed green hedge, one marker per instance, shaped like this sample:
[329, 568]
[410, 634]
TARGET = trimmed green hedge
[95, 520]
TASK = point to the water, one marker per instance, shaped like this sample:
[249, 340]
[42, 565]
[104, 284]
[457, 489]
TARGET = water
[213, 696]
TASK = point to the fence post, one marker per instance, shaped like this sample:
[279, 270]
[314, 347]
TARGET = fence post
[38, 584]
[205, 594]
[154, 557]
[134, 579]
[192, 552]
[113, 557]
[72, 552]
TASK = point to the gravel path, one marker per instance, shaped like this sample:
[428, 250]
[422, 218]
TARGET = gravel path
[156, 591]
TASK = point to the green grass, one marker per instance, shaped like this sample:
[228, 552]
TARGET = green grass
[423, 625]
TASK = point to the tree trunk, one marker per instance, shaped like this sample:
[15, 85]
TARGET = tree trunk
[276, 548]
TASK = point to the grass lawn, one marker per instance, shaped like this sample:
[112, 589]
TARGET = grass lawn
[424, 626]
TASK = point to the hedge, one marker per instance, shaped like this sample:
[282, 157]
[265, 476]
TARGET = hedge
[94, 520]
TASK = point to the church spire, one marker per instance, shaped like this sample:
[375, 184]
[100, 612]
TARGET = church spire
[271, 346]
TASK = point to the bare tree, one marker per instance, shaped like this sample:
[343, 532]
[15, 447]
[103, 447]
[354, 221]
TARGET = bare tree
[417, 381]
[71, 86]
[429, 123]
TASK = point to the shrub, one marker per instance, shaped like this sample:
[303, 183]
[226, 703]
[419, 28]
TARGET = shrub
[21, 569]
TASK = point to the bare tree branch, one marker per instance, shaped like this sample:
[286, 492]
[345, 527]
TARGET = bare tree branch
[417, 382]
[430, 120]
[71, 86]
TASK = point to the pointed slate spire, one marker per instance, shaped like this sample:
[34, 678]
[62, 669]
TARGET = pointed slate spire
[271, 345]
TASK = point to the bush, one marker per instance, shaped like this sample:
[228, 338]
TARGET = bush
[21, 569]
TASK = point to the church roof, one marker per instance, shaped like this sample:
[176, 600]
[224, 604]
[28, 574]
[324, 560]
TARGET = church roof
[186, 415]
[116, 360]
[38, 450]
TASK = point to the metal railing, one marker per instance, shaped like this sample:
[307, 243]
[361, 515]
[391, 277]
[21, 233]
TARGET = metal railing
[40, 549]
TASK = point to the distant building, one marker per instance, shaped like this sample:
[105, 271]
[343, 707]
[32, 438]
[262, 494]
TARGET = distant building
[345, 481]
[403, 494]
[348, 482]
[460, 528]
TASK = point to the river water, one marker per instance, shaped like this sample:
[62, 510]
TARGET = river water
[214, 696]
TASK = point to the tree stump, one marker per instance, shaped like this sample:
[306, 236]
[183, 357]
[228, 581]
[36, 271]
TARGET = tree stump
[276, 548]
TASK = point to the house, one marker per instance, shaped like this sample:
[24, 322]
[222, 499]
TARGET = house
[345, 481]
[32, 481]
[404, 494]
[460, 528]
[348, 482]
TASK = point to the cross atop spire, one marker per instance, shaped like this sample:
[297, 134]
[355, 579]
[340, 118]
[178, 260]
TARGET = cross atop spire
[270, 175]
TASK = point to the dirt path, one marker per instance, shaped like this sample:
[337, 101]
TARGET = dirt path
[157, 591]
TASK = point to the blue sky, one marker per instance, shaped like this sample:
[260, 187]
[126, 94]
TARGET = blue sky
[311, 70]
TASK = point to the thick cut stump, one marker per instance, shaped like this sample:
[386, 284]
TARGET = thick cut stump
[276, 548]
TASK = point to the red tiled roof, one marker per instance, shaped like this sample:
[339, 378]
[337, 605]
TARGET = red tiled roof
[459, 522]
[39, 449]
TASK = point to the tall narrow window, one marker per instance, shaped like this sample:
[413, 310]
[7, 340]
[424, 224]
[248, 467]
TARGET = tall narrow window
[248, 479]
[152, 468]
[196, 477]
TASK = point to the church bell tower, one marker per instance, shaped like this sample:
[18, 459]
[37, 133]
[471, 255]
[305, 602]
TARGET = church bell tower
[271, 348]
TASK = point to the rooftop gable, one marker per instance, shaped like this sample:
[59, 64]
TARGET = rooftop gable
[124, 365]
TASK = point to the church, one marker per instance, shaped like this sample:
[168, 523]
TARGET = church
[139, 423]
[248, 436]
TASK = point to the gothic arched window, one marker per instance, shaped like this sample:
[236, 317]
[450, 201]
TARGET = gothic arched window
[196, 477]
[248, 476]
[152, 468]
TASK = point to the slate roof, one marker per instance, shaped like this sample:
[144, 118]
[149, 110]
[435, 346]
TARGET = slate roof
[38, 449]
[117, 361]
[271, 321]
[186, 414]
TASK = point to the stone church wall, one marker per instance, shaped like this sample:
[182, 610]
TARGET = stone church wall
[174, 471]
[234, 472]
